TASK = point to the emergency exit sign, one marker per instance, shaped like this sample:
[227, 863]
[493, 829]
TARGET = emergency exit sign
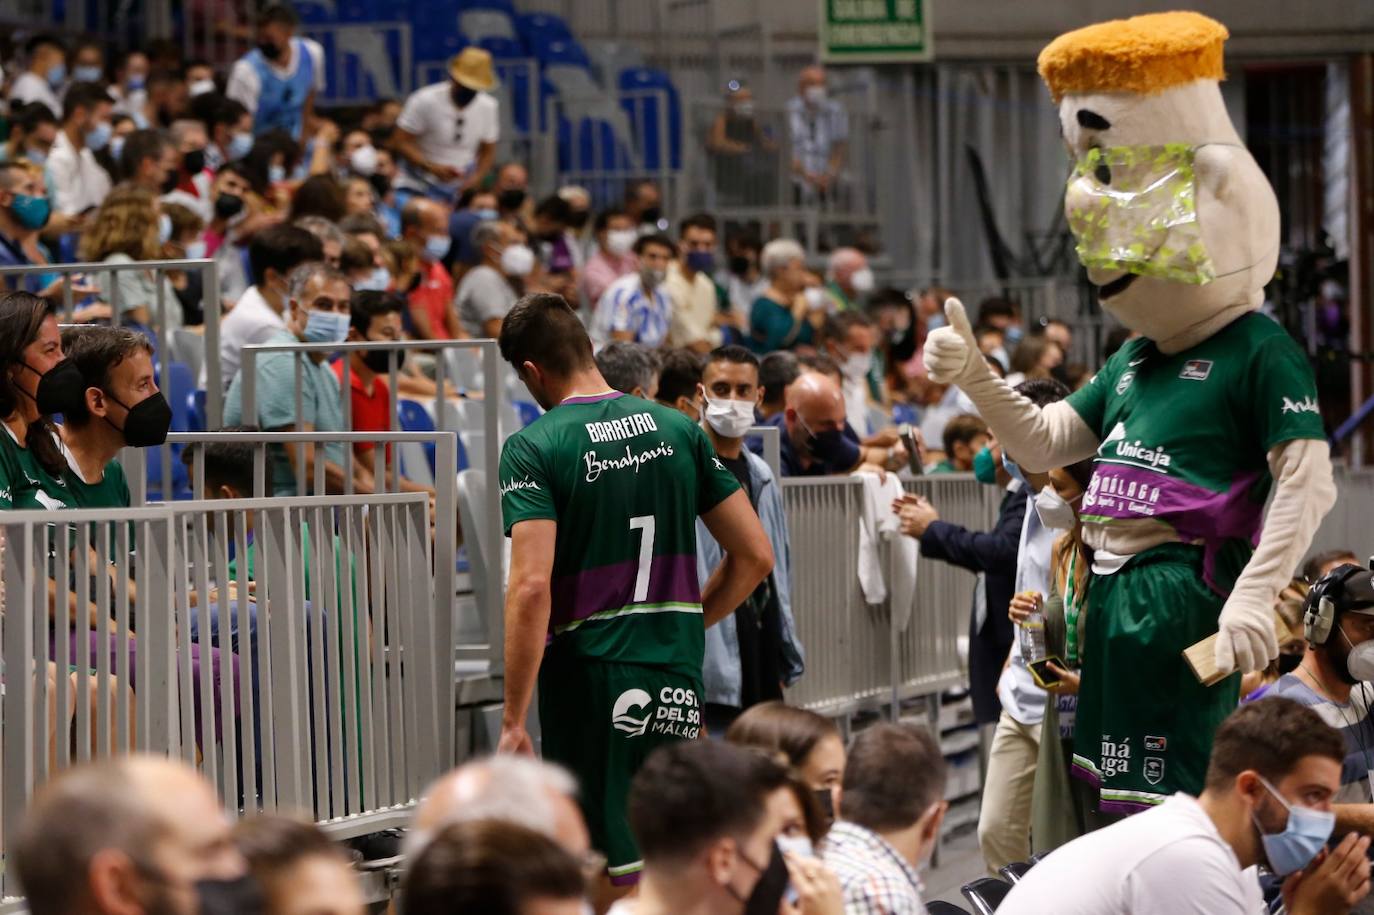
[875, 31]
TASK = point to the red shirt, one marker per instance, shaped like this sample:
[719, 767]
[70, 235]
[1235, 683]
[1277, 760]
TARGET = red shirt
[434, 296]
[371, 409]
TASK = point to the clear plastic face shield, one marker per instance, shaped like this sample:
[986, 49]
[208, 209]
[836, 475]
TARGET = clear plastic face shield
[1135, 209]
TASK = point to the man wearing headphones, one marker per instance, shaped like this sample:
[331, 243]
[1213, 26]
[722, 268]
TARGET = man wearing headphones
[1334, 679]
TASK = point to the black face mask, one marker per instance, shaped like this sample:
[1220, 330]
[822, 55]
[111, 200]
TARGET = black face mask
[462, 95]
[577, 219]
[825, 799]
[194, 161]
[170, 183]
[739, 265]
[826, 446]
[377, 360]
[227, 206]
[147, 421]
[1289, 663]
[269, 50]
[766, 897]
[511, 199]
[239, 896]
[651, 215]
[59, 388]
[381, 184]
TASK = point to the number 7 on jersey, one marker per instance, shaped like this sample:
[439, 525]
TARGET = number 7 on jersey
[645, 525]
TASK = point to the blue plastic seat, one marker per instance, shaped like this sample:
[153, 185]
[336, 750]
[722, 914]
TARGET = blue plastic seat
[532, 26]
[411, 416]
[180, 390]
[502, 48]
[905, 413]
[648, 92]
[506, 6]
[437, 44]
[199, 420]
[479, 24]
[527, 411]
[560, 51]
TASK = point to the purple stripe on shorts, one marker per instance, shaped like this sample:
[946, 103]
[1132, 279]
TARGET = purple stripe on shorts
[672, 579]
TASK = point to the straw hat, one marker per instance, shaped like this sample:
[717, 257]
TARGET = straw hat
[1143, 54]
[471, 68]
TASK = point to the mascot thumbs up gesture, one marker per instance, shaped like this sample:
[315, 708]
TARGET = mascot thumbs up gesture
[1191, 424]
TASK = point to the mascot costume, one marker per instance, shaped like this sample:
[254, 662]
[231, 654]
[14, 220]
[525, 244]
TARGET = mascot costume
[1190, 425]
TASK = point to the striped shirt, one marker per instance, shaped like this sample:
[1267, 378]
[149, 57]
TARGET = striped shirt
[874, 878]
[625, 306]
[1354, 723]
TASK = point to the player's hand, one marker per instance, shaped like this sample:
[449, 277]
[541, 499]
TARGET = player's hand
[950, 351]
[1024, 604]
[1246, 640]
[1334, 882]
[516, 740]
[818, 889]
[1068, 680]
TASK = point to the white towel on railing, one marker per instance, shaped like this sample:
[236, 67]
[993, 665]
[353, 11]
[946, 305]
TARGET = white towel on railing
[877, 524]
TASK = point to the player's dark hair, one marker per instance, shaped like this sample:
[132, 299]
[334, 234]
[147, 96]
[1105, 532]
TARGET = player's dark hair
[1270, 737]
[776, 372]
[688, 794]
[542, 328]
[892, 775]
[678, 376]
[95, 351]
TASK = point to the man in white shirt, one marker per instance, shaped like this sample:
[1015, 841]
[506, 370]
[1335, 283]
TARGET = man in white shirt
[46, 73]
[447, 132]
[259, 313]
[277, 80]
[1275, 767]
[79, 182]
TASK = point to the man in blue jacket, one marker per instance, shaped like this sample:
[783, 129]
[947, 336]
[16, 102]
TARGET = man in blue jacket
[753, 653]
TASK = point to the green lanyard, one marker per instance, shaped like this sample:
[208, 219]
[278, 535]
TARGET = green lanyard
[1071, 607]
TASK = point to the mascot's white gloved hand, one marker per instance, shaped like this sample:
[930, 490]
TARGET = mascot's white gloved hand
[1247, 641]
[951, 353]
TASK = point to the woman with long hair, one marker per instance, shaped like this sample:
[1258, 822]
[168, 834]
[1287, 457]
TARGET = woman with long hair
[129, 227]
[810, 742]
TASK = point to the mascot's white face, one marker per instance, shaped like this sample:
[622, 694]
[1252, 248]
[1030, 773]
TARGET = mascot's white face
[1221, 209]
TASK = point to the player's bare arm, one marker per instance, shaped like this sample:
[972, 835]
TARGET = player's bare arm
[527, 623]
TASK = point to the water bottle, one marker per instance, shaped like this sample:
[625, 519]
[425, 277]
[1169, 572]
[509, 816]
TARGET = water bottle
[1031, 632]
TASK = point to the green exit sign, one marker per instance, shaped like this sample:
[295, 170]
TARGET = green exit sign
[875, 31]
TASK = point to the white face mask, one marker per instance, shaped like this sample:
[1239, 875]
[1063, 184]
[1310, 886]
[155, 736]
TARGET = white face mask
[517, 260]
[814, 95]
[620, 242]
[364, 160]
[857, 366]
[730, 418]
[200, 87]
[1360, 662]
[862, 280]
[1054, 511]
[816, 299]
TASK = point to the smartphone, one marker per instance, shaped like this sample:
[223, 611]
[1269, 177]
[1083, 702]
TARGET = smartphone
[913, 452]
[1041, 673]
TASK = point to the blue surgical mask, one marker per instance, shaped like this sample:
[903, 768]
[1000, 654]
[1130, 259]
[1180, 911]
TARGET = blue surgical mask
[195, 250]
[486, 215]
[1301, 840]
[117, 147]
[701, 261]
[436, 246]
[984, 467]
[88, 74]
[136, 82]
[326, 327]
[935, 321]
[164, 228]
[98, 137]
[276, 174]
[377, 281]
[1014, 334]
[57, 75]
[240, 145]
[1014, 470]
[36, 156]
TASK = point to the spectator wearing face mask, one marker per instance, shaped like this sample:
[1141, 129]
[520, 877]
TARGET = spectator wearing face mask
[512, 188]
[965, 435]
[237, 215]
[193, 187]
[891, 808]
[850, 339]
[87, 62]
[813, 425]
[231, 130]
[474, 206]
[615, 234]
[755, 652]
[24, 211]
[134, 835]
[130, 226]
[200, 78]
[447, 132]
[298, 869]
[696, 301]
[636, 307]
[186, 242]
[743, 152]
[424, 223]
[1274, 771]
[278, 79]
[579, 202]
[742, 278]
[811, 742]
[555, 248]
[130, 87]
[848, 278]
[819, 129]
[45, 76]
[149, 160]
[644, 204]
[488, 291]
[33, 128]
[79, 182]
[784, 316]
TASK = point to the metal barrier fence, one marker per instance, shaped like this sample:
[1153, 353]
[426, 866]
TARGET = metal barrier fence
[310, 683]
[857, 655]
[172, 339]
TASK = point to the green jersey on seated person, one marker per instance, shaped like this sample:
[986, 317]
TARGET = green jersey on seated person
[321, 406]
[24, 483]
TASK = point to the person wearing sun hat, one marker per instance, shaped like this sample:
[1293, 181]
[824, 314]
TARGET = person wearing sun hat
[1192, 425]
[447, 132]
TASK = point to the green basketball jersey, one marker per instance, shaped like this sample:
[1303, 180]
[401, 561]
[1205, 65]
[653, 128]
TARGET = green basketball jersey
[24, 483]
[1185, 438]
[625, 479]
[110, 491]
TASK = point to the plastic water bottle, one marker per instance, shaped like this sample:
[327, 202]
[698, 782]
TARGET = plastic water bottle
[1031, 633]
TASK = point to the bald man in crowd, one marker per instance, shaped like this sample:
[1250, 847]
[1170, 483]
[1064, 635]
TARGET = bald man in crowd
[129, 836]
[814, 440]
[516, 789]
[848, 278]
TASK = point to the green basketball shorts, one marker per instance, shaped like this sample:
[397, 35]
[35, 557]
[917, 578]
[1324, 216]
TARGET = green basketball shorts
[601, 721]
[1145, 723]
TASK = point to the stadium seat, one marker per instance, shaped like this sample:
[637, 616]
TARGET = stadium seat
[506, 6]
[609, 58]
[559, 51]
[985, 894]
[647, 93]
[479, 24]
[529, 412]
[317, 11]
[411, 416]
[435, 44]
[502, 48]
[472, 485]
[573, 83]
[548, 26]
[944, 908]
[180, 389]
[198, 412]
[1013, 872]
